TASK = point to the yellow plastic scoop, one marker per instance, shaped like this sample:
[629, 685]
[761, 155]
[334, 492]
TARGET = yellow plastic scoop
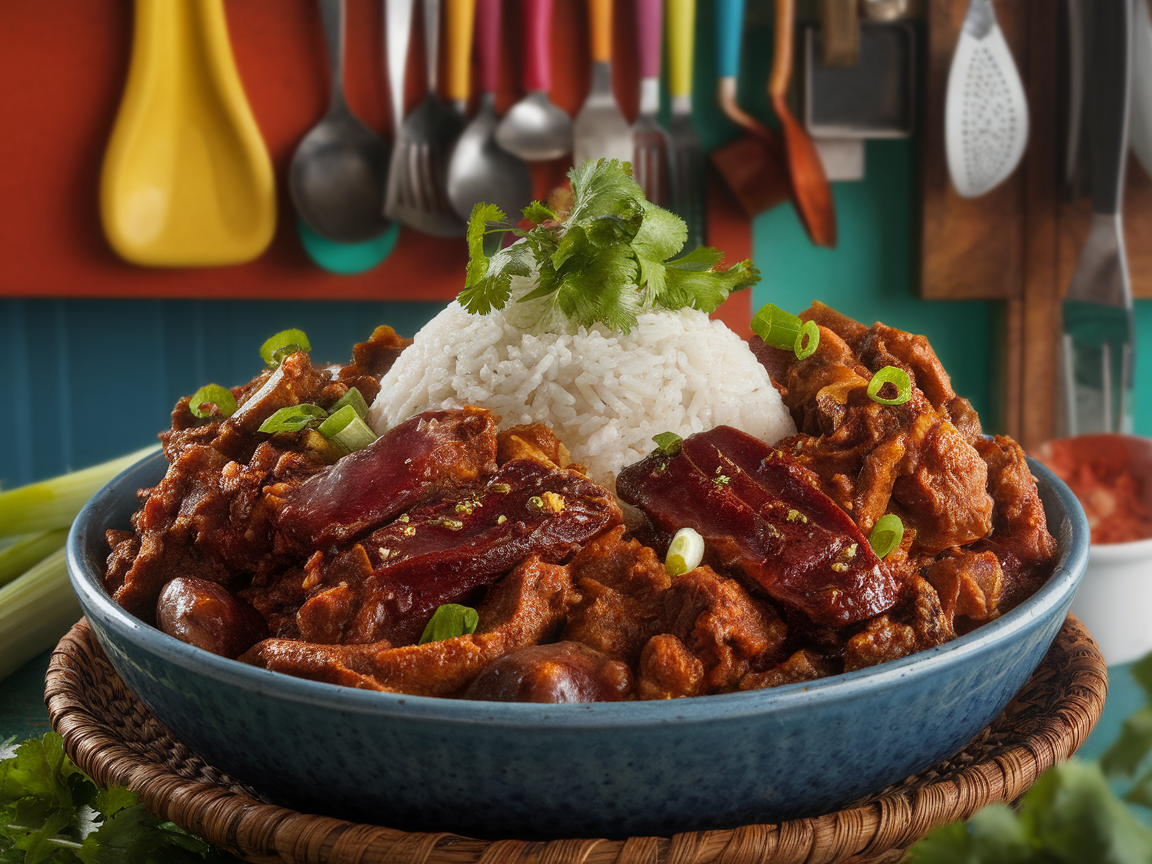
[187, 181]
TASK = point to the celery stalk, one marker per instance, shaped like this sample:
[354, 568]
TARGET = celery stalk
[54, 503]
[26, 551]
[36, 609]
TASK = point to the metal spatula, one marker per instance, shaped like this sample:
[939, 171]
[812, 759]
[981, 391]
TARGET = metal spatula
[985, 114]
[1098, 315]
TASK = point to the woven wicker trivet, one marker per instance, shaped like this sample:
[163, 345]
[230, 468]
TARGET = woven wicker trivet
[115, 739]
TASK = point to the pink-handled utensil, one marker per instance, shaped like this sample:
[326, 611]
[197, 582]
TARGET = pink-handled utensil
[535, 129]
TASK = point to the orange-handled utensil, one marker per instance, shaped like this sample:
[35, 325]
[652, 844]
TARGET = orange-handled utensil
[810, 187]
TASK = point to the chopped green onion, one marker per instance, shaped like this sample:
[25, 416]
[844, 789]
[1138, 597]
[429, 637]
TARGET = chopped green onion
[895, 376]
[807, 340]
[347, 429]
[354, 398]
[26, 551]
[293, 418]
[284, 343]
[685, 552]
[886, 534]
[776, 327]
[36, 609]
[449, 621]
[668, 442]
[212, 394]
[54, 503]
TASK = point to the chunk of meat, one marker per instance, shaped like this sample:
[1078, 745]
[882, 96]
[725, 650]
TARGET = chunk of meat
[620, 584]
[555, 673]
[427, 455]
[441, 553]
[668, 670]
[1020, 538]
[969, 585]
[524, 608]
[762, 515]
[727, 630]
[803, 665]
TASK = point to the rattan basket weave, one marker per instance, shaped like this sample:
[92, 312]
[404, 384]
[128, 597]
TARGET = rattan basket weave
[115, 739]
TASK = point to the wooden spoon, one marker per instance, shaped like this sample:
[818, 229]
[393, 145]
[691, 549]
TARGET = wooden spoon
[809, 183]
[187, 180]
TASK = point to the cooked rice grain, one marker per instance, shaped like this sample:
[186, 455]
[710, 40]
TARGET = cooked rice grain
[605, 394]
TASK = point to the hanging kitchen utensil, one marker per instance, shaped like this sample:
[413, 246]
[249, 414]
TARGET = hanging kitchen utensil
[685, 152]
[600, 130]
[338, 171]
[417, 178]
[347, 259]
[810, 188]
[649, 140]
[1099, 331]
[1140, 121]
[754, 165]
[985, 113]
[480, 169]
[186, 180]
[534, 129]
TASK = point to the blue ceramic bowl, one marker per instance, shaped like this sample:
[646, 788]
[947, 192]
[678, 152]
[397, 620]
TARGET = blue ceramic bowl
[607, 770]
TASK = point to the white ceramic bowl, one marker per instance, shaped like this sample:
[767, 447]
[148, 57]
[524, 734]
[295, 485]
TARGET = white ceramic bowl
[1114, 600]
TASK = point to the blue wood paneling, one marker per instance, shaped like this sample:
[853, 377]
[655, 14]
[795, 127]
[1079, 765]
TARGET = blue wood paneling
[90, 380]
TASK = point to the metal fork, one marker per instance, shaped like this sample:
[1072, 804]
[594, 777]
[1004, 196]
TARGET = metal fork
[418, 174]
[1099, 329]
[649, 140]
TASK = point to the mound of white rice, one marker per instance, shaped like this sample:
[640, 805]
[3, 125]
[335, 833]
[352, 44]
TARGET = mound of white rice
[604, 394]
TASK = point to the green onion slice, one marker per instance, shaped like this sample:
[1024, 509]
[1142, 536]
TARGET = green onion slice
[685, 552]
[347, 429]
[886, 534]
[354, 398]
[898, 378]
[286, 342]
[212, 394]
[668, 442]
[807, 340]
[449, 621]
[293, 418]
[776, 327]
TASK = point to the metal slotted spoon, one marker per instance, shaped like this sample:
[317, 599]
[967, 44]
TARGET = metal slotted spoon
[985, 113]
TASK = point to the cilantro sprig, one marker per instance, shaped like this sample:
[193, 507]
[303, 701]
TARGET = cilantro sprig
[609, 258]
[51, 812]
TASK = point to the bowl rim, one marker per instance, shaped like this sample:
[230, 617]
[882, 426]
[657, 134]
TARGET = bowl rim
[1072, 534]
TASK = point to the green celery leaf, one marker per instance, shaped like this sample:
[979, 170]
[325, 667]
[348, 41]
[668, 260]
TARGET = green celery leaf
[1132, 747]
[112, 800]
[45, 842]
[39, 769]
[1141, 791]
[1142, 672]
[1071, 811]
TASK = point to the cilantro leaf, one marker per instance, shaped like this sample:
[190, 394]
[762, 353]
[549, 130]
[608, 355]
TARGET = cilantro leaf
[603, 262]
[50, 813]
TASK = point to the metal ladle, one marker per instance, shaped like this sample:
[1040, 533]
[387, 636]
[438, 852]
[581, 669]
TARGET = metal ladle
[480, 169]
[534, 128]
[338, 172]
